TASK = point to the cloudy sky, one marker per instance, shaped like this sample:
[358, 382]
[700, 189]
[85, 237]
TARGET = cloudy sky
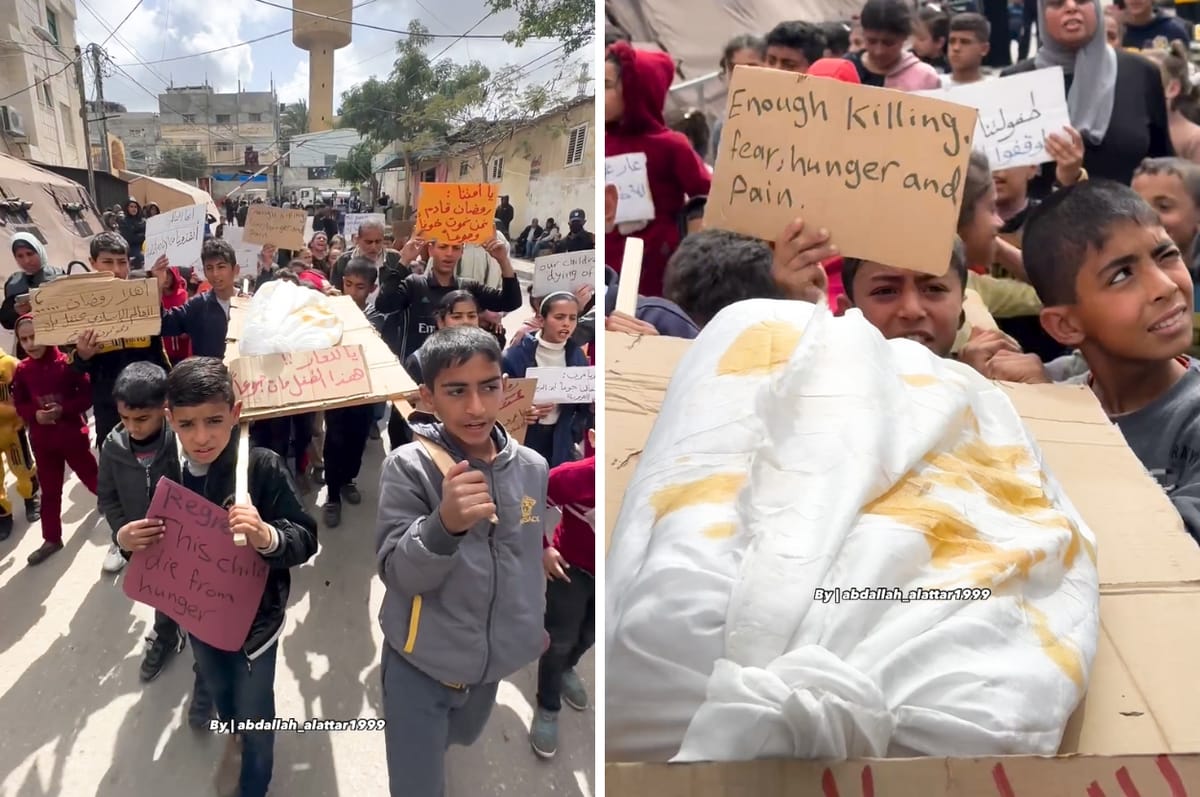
[168, 29]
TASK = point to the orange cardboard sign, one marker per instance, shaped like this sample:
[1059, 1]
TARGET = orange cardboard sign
[461, 213]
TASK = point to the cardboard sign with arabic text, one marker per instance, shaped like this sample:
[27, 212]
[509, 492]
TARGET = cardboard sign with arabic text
[115, 309]
[277, 380]
[463, 213]
[572, 385]
[268, 225]
[518, 400]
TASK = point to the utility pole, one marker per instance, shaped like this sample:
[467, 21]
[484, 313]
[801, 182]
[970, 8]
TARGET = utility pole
[97, 56]
[87, 130]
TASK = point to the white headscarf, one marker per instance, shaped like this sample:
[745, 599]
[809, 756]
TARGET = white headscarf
[1094, 66]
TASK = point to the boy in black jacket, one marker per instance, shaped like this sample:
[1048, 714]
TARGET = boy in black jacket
[204, 416]
[139, 452]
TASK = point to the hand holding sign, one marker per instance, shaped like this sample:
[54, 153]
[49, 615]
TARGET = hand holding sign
[245, 520]
[1067, 150]
[799, 253]
[465, 499]
[138, 535]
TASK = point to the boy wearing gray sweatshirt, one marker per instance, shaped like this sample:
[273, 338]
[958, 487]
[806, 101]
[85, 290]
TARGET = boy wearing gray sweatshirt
[459, 542]
[1116, 287]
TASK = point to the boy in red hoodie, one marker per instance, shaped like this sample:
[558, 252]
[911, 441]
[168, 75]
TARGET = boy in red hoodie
[51, 397]
[570, 564]
[635, 90]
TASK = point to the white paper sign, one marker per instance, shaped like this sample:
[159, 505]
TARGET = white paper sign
[628, 174]
[356, 220]
[564, 272]
[178, 234]
[575, 385]
[1016, 113]
[247, 254]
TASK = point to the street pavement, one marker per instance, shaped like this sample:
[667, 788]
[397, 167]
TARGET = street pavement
[75, 719]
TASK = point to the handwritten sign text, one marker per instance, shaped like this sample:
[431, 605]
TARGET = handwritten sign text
[881, 170]
[195, 573]
[1016, 113]
[356, 220]
[277, 380]
[114, 308]
[518, 400]
[564, 272]
[628, 174]
[573, 385]
[457, 212]
[177, 234]
[268, 225]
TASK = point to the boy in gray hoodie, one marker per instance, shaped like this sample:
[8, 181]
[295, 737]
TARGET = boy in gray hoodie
[138, 452]
[459, 544]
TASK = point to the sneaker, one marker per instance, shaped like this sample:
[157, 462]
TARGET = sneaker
[114, 562]
[158, 652]
[33, 509]
[351, 494]
[543, 734]
[574, 693]
[229, 771]
[47, 550]
[332, 514]
[6, 526]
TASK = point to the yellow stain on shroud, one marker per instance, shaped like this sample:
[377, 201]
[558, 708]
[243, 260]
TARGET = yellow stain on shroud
[721, 531]
[920, 380]
[760, 349]
[1060, 651]
[719, 488]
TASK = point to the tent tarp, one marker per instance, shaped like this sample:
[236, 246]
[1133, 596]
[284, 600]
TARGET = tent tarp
[65, 239]
[168, 193]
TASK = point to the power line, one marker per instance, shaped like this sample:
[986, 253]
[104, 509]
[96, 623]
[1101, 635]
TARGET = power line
[493, 36]
[462, 36]
[36, 83]
[137, 56]
[112, 33]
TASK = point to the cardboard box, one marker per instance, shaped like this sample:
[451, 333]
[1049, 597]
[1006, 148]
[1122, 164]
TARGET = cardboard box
[388, 379]
[1142, 703]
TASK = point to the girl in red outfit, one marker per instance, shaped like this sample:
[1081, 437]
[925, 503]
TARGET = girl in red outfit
[51, 397]
[570, 565]
[635, 90]
[174, 294]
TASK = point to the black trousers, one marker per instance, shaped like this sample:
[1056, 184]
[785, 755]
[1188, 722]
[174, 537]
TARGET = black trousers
[346, 432]
[571, 624]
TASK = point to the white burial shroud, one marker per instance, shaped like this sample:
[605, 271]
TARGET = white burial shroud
[796, 451]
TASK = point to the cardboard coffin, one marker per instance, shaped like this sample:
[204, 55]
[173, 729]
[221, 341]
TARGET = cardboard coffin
[1138, 730]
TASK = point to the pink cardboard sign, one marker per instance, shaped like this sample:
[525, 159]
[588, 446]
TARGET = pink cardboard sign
[196, 574]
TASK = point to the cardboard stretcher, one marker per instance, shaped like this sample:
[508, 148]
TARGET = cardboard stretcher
[1135, 733]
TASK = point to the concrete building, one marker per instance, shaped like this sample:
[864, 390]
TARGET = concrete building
[546, 167]
[312, 157]
[318, 27]
[138, 131]
[41, 121]
[234, 131]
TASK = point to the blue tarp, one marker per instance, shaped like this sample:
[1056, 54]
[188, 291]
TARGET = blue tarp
[241, 178]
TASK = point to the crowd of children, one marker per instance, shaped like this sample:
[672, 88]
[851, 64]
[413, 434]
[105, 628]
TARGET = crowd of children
[164, 406]
[1087, 272]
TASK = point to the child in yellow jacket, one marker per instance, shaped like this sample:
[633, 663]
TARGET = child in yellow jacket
[14, 446]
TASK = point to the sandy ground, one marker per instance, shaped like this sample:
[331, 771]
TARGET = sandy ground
[76, 720]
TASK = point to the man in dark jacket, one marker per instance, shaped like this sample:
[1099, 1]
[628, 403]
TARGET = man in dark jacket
[578, 239]
[504, 216]
[203, 412]
[242, 212]
[133, 230]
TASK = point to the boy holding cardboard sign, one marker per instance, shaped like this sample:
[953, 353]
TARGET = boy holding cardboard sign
[204, 415]
[465, 593]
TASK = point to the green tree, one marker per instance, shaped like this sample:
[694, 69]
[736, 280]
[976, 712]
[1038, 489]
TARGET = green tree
[355, 169]
[411, 109]
[181, 163]
[573, 22]
[292, 122]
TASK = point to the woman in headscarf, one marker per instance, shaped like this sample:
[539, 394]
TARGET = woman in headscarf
[1115, 98]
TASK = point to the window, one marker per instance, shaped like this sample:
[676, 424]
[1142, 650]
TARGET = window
[68, 125]
[137, 132]
[464, 168]
[192, 145]
[189, 118]
[256, 117]
[576, 144]
[43, 89]
[222, 118]
[430, 176]
[52, 24]
[498, 169]
[224, 146]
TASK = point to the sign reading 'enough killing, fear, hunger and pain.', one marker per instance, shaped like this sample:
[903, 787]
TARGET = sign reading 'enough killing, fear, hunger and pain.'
[458, 213]
[882, 170]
